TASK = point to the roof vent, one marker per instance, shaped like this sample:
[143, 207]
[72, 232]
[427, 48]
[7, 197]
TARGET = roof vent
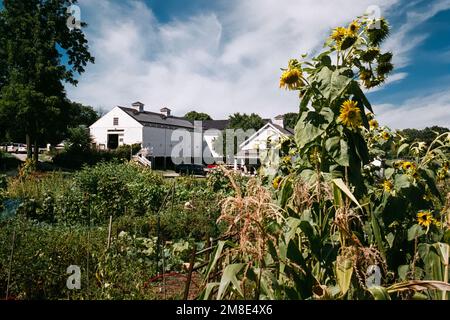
[138, 106]
[279, 121]
[165, 112]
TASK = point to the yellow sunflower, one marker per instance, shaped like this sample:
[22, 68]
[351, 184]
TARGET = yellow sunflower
[353, 28]
[276, 182]
[339, 34]
[385, 135]
[407, 165]
[387, 186]
[350, 114]
[373, 124]
[291, 79]
[425, 219]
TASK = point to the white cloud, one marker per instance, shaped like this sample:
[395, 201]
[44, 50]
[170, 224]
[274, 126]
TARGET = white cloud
[219, 63]
[429, 110]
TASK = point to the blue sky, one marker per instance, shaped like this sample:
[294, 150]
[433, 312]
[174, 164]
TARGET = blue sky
[223, 56]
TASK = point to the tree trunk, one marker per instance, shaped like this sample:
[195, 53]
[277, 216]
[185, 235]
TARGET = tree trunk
[29, 150]
[36, 152]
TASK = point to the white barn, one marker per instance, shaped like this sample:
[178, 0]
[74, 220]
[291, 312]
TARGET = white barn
[127, 126]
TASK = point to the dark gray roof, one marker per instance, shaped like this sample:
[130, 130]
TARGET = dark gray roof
[147, 118]
[220, 124]
[215, 124]
[286, 131]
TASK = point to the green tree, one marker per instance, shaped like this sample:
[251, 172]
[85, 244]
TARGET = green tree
[426, 135]
[245, 121]
[197, 116]
[34, 38]
[81, 115]
[291, 119]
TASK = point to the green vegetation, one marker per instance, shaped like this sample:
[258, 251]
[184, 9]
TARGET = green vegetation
[62, 220]
[197, 116]
[33, 73]
[327, 223]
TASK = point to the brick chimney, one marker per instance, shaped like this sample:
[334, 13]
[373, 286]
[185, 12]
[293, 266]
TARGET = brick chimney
[138, 106]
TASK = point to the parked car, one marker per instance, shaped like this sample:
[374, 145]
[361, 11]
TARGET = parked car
[190, 169]
[4, 146]
[13, 147]
[21, 148]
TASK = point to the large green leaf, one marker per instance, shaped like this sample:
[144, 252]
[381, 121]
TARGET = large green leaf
[402, 148]
[230, 276]
[341, 185]
[311, 125]
[344, 272]
[359, 94]
[286, 192]
[338, 149]
[208, 289]
[379, 293]
[418, 285]
[217, 254]
[332, 83]
[415, 231]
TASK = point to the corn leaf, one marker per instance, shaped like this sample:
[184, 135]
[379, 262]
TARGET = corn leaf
[229, 276]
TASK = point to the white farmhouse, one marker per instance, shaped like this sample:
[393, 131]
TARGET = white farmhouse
[270, 134]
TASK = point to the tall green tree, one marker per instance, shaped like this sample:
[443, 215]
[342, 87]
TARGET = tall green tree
[197, 116]
[426, 135]
[34, 37]
[245, 121]
[291, 119]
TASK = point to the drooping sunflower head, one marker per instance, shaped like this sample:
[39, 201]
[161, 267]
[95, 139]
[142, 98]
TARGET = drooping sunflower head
[373, 124]
[350, 114]
[354, 27]
[291, 79]
[365, 75]
[339, 34]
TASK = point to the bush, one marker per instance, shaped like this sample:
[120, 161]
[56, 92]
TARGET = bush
[73, 158]
[90, 195]
[8, 162]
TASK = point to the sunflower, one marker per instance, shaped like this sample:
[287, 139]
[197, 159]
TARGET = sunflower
[373, 124]
[387, 186]
[365, 75]
[350, 114]
[291, 79]
[353, 28]
[385, 135]
[425, 219]
[276, 182]
[339, 34]
[408, 165]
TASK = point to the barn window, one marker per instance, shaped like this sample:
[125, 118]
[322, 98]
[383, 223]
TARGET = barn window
[116, 121]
